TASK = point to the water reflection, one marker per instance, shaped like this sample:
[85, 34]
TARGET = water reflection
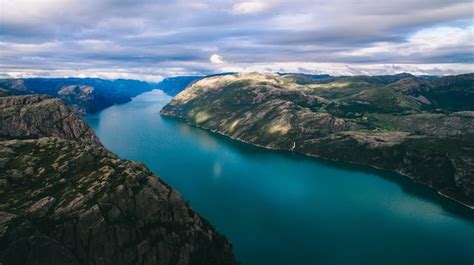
[217, 169]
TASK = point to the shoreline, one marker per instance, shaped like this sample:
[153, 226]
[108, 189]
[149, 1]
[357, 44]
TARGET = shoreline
[471, 207]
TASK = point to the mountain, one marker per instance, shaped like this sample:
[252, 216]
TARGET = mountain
[399, 123]
[33, 116]
[65, 199]
[89, 95]
[173, 85]
[84, 95]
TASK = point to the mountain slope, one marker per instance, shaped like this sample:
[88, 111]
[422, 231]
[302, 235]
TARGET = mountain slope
[67, 200]
[173, 85]
[375, 123]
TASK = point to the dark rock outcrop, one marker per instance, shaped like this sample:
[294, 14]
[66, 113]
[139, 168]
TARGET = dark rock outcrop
[34, 116]
[71, 201]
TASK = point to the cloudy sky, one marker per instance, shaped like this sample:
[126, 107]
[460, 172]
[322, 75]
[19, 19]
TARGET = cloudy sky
[149, 40]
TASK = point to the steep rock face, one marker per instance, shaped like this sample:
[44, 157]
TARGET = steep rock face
[376, 123]
[68, 200]
[78, 92]
[34, 116]
[79, 97]
[71, 202]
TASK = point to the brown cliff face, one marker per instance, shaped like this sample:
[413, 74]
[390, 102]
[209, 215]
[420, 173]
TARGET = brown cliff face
[36, 116]
[66, 201]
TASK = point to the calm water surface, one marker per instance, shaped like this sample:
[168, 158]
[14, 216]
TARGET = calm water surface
[283, 208]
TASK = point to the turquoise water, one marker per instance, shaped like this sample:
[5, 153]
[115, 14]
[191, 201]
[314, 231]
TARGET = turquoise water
[282, 208]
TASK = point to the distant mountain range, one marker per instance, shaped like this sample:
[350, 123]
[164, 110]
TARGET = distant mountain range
[84, 95]
[173, 85]
[421, 127]
[89, 95]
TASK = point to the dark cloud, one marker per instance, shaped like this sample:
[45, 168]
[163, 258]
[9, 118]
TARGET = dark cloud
[150, 39]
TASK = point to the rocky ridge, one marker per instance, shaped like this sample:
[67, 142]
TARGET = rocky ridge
[34, 116]
[68, 200]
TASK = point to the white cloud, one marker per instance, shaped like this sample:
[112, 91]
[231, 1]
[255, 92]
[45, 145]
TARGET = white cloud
[105, 73]
[295, 21]
[19, 11]
[443, 37]
[337, 69]
[430, 41]
[249, 7]
[216, 59]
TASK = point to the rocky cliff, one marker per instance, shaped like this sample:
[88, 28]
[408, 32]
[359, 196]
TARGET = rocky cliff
[390, 122]
[34, 116]
[67, 200]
